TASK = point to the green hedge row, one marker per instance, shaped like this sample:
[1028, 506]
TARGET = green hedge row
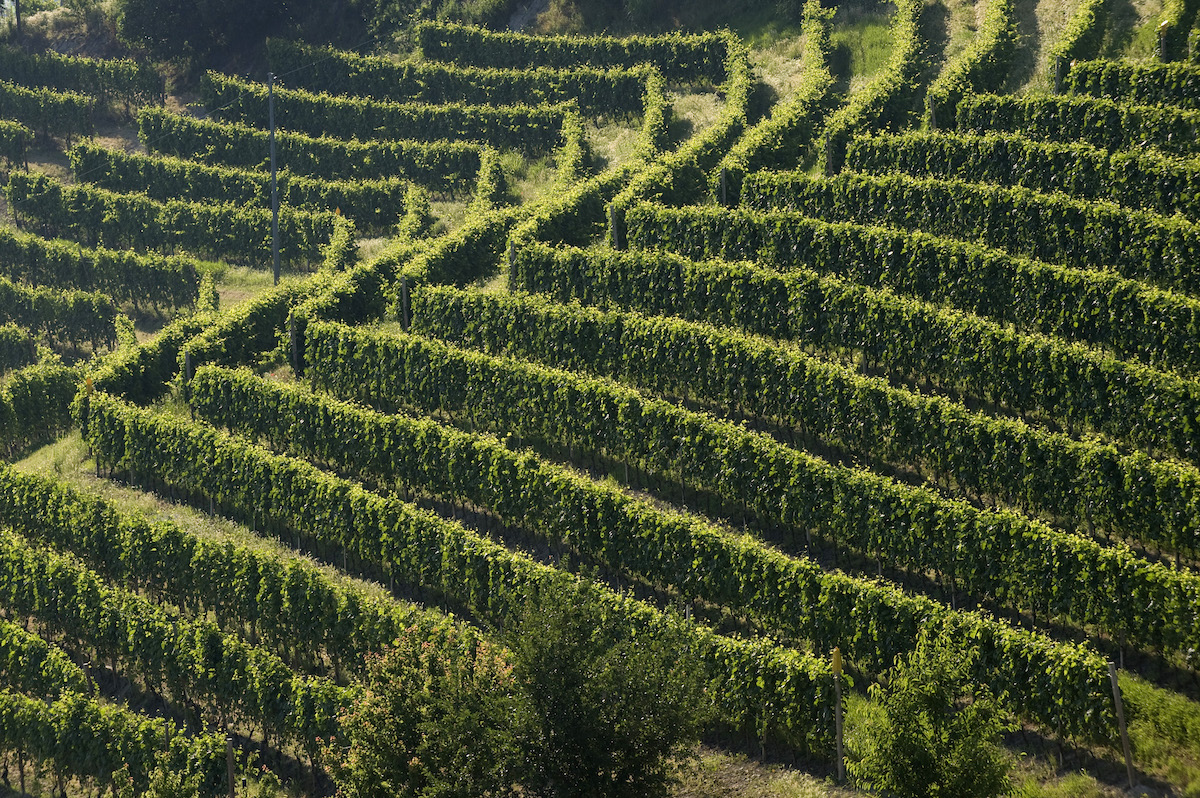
[49, 112]
[982, 67]
[781, 140]
[64, 315]
[886, 102]
[989, 554]
[1156, 503]
[1141, 179]
[216, 230]
[35, 404]
[123, 79]
[871, 622]
[289, 603]
[1050, 227]
[18, 347]
[166, 281]
[97, 740]
[756, 686]
[530, 129]
[1130, 318]
[444, 165]
[15, 139]
[1137, 83]
[31, 665]
[1081, 38]
[682, 58]
[1100, 122]
[1072, 385]
[598, 92]
[190, 659]
[375, 205]
[682, 176]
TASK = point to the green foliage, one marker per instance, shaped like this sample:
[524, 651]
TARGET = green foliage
[1048, 227]
[491, 186]
[443, 165]
[527, 128]
[654, 136]
[1172, 29]
[228, 231]
[29, 664]
[959, 274]
[1078, 386]
[931, 737]
[781, 140]
[108, 743]
[983, 66]
[418, 220]
[573, 158]
[774, 693]
[1152, 502]
[169, 281]
[183, 31]
[374, 205]
[64, 316]
[682, 176]
[886, 101]
[614, 93]
[910, 527]
[433, 722]
[286, 600]
[609, 712]
[126, 335]
[1093, 120]
[15, 139]
[695, 58]
[124, 80]
[49, 112]
[1141, 179]
[141, 374]
[789, 595]
[18, 347]
[1081, 38]
[1176, 85]
[174, 654]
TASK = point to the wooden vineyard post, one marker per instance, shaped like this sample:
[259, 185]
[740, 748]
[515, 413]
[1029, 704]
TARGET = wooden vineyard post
[1116, 688]
[294, 347]
[274, 183]
[229, 765]
[614, 227]
[837, 711]
[404, 300]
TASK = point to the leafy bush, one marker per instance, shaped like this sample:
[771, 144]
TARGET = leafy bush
[609, 711]
[925, 740]
[433, 721]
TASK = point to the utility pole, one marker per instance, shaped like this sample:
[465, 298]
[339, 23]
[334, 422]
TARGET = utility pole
[274, 187]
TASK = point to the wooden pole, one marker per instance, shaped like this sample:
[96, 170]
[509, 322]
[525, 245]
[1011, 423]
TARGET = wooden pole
[274, 186]
[837, 711]
[1116, 688]
[614, 227]
[229, 765]
[404, 300]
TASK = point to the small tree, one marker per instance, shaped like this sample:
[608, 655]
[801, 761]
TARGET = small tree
[435, 721]
[609, 710]
[929, 736]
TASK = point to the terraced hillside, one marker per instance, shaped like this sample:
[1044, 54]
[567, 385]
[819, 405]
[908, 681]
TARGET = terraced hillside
[909, 354]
